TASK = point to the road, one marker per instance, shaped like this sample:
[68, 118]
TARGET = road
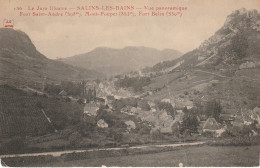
[240, 78]
[59, 153]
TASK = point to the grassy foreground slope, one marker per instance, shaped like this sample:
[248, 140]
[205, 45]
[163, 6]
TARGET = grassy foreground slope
[201, 156]
[21, 113]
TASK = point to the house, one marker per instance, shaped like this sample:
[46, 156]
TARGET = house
[238, 122]
[102, 124]
[135, 110]
[220, 131]
[151, 104]
[153, 110]
[100, 100]
[63, 93]
[256, 114]
[73, 99]
[248, 117]
[166, 100]
[166, 126]
[189, 107]
[91, 109]
[179, 116]
[109, 99]
[127, 110]
[130, 125]
[227, 119]
[211, 125]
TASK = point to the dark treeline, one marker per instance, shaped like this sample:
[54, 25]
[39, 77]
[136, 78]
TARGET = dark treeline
[137, 83]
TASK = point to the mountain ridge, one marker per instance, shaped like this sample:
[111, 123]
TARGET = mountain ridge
[224, 67]
[22, 64]
[241, 28]
[113, 61]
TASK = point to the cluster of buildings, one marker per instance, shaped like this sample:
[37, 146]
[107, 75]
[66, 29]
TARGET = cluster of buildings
[233, 118]
[162, 121]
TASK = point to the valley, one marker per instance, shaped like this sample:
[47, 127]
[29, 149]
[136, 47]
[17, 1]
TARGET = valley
[95, 106]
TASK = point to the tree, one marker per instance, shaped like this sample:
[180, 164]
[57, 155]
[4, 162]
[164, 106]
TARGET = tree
[167, 107]
[131, 101]
[137, 83]
[213, 108]
[190, 122]
[239, 45]
[94, 93]
[52, 88]
[71, 88]
[236, 50]
[176, 129]
[198, 104]
[143, 104]
[118, 104]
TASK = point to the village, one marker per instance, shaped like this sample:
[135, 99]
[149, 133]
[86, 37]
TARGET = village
[159, 118]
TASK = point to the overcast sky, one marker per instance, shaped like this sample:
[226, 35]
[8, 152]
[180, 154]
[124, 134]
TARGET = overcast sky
[65, 36]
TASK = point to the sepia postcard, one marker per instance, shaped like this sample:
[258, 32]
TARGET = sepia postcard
[129, 83]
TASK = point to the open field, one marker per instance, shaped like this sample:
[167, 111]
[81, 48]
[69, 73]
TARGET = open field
[189, 156]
